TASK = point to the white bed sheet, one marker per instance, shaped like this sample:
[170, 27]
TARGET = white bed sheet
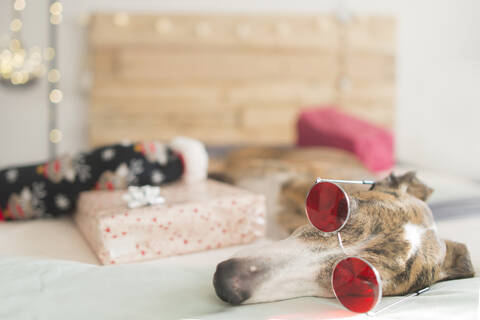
[65, 281]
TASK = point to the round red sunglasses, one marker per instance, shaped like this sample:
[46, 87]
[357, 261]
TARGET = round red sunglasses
[355, 281]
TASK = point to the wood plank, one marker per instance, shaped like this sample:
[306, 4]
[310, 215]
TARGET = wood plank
[135, 91]
[200, 117]
[279, 135]
[379, 113]
[264, 118]
[130, 108]
[103, 61]
[369, 90]
[297, 92]
[101, 135]
[363, 65]
[372, 33]
[229, 65]
[235, 31]
[121, 98]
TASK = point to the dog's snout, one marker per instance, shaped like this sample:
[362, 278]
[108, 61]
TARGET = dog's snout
[233, 280]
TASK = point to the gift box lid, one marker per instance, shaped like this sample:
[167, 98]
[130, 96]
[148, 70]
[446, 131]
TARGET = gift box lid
[179, 193]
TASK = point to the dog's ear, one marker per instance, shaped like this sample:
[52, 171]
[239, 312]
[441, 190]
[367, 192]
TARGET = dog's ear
[407, 182]
[292, 203]
[415, 186]
[295, 190]
[457, 263]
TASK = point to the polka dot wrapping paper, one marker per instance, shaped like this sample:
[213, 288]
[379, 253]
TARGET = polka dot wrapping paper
[197, 216]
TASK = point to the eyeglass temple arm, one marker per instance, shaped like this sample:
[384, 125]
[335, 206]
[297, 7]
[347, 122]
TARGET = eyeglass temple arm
[373, 313]
[345, 181]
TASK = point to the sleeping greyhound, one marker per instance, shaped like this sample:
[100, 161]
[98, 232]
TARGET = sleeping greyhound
[390, 225]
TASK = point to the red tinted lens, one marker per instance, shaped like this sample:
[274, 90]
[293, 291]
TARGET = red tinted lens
[327, 206]
[356, 285]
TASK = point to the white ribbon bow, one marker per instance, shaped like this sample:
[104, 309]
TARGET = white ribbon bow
[143, 196]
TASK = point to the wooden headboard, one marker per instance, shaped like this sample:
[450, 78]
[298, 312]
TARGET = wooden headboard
[234, 79]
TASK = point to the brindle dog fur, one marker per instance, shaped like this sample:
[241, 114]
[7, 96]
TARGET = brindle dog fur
[390, 226]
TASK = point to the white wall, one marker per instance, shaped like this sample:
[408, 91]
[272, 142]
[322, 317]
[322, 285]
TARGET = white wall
[439, 86]
[438, 69]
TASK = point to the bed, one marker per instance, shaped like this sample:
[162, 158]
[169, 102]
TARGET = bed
[48, 271]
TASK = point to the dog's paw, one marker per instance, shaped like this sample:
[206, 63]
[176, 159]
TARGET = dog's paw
[457, 263]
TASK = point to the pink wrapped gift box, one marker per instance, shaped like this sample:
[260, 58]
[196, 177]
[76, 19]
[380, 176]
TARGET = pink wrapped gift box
[195, 217]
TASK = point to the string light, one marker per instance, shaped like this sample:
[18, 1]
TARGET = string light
[19, 65]
[121, 19]
[56, 18]
[322, 24]
[49, 53]
[203, 29]
[53, 76]
[17, 77]
[243, 31]
[15, 45]
[56, 8]
[16, 25]
[19, 5]
[55, 135]
[55, 96]
[163, 26]
[283, 29]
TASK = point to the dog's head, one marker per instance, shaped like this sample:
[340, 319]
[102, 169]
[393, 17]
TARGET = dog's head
[390, 226]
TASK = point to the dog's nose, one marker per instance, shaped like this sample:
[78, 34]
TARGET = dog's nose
[233, 280]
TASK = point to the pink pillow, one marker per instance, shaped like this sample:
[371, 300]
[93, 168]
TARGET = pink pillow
[329, 127]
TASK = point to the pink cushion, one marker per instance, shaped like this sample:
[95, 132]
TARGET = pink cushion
[330, 127]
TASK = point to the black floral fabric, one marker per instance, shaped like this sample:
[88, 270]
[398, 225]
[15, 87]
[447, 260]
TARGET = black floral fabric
[52, 188]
